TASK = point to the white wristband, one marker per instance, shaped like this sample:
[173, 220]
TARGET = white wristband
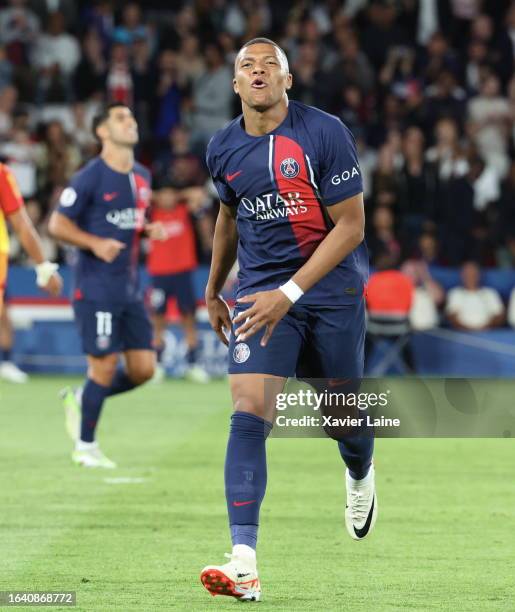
[292, 291]
[44, 272]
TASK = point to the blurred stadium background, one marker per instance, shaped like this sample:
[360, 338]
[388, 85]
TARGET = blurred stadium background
[426, 87]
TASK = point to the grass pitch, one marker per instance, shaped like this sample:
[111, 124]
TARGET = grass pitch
[137, 537]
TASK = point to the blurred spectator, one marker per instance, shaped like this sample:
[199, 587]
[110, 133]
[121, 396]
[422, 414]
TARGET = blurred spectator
[384, 180]
[8, 98]
[428, 295]
[132, 27]
[19, 29]
[21, 154]
[91, 73]
[56, 54]
[490, 120]
[58, 157]
[190, 62]
[428, 249]
[381, 238]
[99, 17]
[6, 69]
[169, 95]
[352, 65]
[212, 98]
[445, 98]
[417, 187]
[389, 298]
[473, 307]
[447, 153]
[119, 79]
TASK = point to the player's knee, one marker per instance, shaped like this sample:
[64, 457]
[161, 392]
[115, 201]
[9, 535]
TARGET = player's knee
[142, 373]
[103, 371]
[252, 405]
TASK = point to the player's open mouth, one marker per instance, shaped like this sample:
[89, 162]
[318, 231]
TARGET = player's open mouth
[258, 84]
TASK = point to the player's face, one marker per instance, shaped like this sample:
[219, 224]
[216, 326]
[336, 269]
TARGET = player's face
[121, 127]
[261, 78]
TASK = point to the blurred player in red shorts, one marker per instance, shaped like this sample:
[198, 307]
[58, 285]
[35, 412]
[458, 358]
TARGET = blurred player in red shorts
[171, 264]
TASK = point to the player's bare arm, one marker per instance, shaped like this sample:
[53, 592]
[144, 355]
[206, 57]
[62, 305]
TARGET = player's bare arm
[64, 229]
[225, 243]
[270, 306]
[48, 277]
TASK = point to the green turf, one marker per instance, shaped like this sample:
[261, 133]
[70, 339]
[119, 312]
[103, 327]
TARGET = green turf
[444, 539]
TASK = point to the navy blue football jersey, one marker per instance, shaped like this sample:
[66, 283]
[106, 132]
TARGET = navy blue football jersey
[281, 183]
[108, 204]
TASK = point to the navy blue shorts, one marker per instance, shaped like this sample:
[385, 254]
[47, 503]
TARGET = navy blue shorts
[112, 328]
[179, 286]
[309, 342]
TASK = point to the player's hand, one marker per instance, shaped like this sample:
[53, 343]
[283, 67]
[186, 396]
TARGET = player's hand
[268, 308]
[219, 317]
[107, 249]
[54, 285]
[156, 231]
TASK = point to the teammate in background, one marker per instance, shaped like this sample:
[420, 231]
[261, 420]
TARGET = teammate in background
[103, 213]
[9, 371]
[171, 263]
[13, 209]
[292, 209]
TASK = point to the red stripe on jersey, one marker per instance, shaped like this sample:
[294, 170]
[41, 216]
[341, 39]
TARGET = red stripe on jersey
[309, 227]
[142, 197]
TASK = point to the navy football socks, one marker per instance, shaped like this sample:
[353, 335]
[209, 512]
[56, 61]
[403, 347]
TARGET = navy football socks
[120, 383]
[191, 356]
[93, 396]
[245, 475]
[357, 453]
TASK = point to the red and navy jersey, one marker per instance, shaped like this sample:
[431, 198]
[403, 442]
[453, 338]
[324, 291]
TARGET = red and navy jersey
[108, 204]
[281, 183]
[178, 252]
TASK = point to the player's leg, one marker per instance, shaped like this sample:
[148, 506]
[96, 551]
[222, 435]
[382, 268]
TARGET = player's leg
[140, 366]
[185, 294]
[335, 350]
[99, 328]
[158, 299]
[83, 409]
[140, 356]
[8, 369]
[254, 398]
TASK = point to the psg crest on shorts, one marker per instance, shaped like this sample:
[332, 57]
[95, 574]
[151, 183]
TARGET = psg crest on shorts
[290, 168]
[241, 352]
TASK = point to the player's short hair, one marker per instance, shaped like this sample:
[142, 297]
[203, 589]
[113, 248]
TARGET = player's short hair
[103, 115]
[261, 40]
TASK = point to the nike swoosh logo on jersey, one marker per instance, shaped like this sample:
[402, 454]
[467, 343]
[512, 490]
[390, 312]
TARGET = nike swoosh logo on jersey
[244, 503]
[230, 177]
[110, 196]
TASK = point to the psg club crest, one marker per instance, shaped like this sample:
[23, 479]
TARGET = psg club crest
[241, 352]
[289, 168]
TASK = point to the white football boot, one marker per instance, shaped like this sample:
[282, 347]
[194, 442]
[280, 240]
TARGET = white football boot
[238, 578]
[10, 372]
[197, 374]
[88, 454]
[71, 400]
[361, 508]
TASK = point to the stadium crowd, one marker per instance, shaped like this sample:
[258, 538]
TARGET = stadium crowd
[427, 88]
